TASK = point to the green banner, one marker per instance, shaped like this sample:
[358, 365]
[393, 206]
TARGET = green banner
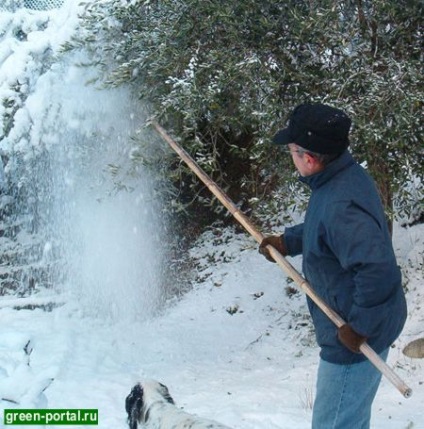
[51, 417]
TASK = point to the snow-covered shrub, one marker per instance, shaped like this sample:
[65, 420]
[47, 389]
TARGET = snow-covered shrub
[223, 76]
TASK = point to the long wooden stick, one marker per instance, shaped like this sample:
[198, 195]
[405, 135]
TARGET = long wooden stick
[281, 261]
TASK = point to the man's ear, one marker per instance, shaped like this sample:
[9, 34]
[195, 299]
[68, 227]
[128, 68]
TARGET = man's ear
[312, 163]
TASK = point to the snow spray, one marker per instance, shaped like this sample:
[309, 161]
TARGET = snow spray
[99, 208]
[107, 212]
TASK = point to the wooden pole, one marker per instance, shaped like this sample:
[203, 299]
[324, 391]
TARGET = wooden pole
[281, 261]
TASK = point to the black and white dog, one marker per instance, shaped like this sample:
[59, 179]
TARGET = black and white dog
[149, 405]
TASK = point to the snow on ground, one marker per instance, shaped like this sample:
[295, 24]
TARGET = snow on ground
[236, 348]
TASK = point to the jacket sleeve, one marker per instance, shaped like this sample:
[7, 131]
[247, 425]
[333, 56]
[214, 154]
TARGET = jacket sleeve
[293, 238]
[363, 246]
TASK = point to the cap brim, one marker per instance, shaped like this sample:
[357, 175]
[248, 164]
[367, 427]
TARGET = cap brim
[282, 137]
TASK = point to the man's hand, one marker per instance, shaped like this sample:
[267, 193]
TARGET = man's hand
[351, 339]
[276, 241]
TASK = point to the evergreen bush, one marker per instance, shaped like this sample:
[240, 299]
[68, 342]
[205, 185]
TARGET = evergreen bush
[223, 76]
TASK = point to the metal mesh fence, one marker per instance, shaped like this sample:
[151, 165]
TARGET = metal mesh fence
[12, 5]
[43, 4]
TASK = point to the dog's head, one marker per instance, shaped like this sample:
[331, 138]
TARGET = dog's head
[142, 395]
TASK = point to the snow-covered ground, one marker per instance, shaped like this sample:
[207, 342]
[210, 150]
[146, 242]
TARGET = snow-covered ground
[237, 348]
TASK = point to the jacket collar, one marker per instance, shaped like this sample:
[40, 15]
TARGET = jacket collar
[316, 180]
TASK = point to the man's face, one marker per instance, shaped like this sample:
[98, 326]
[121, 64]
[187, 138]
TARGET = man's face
[299, 158]
[305, 163]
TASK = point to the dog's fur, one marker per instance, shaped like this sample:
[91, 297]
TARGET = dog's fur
[149, 405]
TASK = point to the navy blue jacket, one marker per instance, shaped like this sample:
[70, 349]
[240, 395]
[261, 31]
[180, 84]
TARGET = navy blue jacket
[348, 259]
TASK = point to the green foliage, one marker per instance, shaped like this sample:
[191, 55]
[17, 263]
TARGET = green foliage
[222, 76]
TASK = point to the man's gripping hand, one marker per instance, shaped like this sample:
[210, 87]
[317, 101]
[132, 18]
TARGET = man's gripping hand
[351, 339]
[276, 241]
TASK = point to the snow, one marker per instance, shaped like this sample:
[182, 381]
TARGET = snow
[237, 348]
[254, 368]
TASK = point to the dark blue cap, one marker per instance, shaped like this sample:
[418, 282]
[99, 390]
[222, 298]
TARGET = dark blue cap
[318, 128]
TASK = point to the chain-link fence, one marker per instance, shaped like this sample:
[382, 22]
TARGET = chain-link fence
[12, 5]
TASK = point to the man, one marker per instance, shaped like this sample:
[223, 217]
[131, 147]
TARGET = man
[349, 261]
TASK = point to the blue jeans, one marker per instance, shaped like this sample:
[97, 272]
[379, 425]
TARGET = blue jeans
[345, 394]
